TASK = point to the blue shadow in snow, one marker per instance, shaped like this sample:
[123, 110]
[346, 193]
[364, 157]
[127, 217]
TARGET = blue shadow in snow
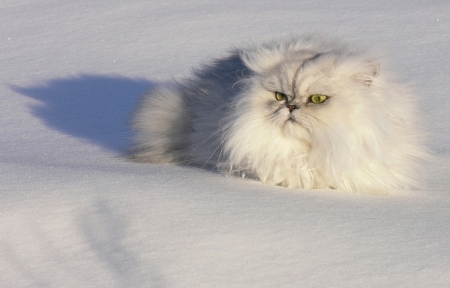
[93, 107]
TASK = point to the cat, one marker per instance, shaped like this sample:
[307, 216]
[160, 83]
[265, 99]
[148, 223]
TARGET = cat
[307, 112]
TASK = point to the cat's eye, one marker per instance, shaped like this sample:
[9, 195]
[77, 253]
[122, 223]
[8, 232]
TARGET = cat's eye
[318, 98]
[280, 96]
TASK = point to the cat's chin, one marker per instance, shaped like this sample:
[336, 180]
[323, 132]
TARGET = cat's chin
[294, 129]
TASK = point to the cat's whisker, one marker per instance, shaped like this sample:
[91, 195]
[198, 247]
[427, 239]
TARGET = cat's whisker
[227, 135]
[212, 135]
[218, 146]
[332, 130]
[227, 126]
[224, 138]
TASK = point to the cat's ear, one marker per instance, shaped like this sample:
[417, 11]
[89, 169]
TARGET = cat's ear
[260, 60]
[371, 71]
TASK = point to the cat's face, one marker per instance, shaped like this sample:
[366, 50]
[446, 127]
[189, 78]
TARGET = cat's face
[314, 97]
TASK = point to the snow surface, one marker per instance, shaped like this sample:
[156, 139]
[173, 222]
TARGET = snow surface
[75, 213]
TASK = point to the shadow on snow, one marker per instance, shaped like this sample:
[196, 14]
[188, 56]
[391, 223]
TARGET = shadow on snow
[93, 107]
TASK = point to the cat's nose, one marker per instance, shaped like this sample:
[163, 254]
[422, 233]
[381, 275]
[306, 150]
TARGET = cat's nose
[291, 107]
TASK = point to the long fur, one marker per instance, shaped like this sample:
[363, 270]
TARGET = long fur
[365, 137]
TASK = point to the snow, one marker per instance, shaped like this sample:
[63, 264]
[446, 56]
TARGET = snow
[75, 213]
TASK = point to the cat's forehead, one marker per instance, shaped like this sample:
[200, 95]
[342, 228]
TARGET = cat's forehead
[304, 64]
[289, 71]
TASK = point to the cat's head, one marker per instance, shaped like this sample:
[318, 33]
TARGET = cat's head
[317, 113]
[313, 90]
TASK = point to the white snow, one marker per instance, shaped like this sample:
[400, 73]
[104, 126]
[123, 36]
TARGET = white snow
[75, 213]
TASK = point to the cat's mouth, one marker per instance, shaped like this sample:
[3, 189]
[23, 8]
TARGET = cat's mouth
[295, 129]
[292, 119]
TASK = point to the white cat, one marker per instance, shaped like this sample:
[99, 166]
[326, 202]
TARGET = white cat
[305, 112]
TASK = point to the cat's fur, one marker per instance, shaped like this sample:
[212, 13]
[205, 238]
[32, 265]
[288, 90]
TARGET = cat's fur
[364, 138]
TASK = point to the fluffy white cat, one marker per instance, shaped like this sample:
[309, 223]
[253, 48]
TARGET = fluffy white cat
[304, 112]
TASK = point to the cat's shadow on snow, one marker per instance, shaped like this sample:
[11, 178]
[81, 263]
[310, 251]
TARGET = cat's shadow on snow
[93, 107]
